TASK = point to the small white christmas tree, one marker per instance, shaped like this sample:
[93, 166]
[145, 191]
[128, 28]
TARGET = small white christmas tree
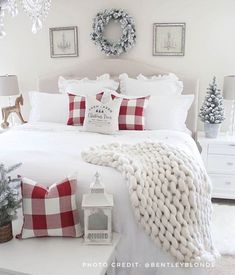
[212, 110]
[9, 197]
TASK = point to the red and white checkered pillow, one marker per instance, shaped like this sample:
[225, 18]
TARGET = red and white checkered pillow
[50, 211]
[77, 108]
[131, 115]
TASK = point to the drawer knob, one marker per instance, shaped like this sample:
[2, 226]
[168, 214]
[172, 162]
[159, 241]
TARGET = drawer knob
[228, 182]
[230, 163]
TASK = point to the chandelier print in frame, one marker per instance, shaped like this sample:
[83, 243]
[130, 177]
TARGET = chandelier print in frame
[64, 42]
[169, 39]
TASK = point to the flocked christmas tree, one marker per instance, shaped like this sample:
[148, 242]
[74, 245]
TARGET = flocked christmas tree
[212, 110]
[9, 195]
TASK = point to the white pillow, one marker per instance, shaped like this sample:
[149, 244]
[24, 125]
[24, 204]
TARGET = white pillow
[102, 116]
[48, 107]
[156, 86]
[86, 86]
[169, 113]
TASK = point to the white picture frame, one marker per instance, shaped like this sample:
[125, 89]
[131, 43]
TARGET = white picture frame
[169, 39]
[64, 42]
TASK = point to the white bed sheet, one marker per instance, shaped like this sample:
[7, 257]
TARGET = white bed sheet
[50, 152]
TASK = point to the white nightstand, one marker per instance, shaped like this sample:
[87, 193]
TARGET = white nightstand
[219, 158]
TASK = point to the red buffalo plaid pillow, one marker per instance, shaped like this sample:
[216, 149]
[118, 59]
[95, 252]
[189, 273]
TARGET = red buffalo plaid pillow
[131, 115]
[77, 108]
[49, 211]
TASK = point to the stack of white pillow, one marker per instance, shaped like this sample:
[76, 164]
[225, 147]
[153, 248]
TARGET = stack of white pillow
[167, 107]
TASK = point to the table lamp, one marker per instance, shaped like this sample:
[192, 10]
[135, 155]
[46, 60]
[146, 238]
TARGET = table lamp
[229, 94]
[9, 87]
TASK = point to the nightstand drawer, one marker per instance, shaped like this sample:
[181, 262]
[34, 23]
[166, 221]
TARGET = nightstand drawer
[223, 164]
[223, 182]
[222, 149]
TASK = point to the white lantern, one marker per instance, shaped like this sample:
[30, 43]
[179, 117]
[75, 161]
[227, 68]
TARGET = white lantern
[97, 207]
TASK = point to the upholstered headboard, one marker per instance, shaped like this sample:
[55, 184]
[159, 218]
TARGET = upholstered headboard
[93, 68]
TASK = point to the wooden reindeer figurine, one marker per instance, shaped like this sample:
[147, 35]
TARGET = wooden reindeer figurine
[6, 111]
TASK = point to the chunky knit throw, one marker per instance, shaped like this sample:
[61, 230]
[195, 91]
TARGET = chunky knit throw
[170, 193]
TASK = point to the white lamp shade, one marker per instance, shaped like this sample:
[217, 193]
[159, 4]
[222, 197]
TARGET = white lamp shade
[229, 87]
[9, 85]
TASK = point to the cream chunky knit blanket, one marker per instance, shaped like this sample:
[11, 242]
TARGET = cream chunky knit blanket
[170, 194]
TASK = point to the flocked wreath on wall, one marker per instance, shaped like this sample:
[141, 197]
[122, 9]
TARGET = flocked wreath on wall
[127, 39]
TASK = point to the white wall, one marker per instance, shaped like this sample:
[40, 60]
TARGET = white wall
[210, 39]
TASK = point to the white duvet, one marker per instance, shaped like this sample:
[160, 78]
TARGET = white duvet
[50, 152]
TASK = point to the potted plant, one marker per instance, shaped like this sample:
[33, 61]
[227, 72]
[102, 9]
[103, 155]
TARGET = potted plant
[9, 201]
[212, 111]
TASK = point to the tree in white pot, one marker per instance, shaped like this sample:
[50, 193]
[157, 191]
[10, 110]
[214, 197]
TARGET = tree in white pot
[212, 110]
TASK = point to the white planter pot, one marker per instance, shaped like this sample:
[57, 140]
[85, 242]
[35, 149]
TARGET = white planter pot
[211, 130]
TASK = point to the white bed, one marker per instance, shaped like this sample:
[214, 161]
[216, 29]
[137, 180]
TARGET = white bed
[49, 152]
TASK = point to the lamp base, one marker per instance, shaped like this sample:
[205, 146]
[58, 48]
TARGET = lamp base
[231, 128]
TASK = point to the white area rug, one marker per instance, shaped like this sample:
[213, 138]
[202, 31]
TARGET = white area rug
[223, 228]
[10, 272]
[224, 266]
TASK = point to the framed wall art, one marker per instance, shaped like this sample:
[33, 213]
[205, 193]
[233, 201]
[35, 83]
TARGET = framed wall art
[64, 42]
[169, 39]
